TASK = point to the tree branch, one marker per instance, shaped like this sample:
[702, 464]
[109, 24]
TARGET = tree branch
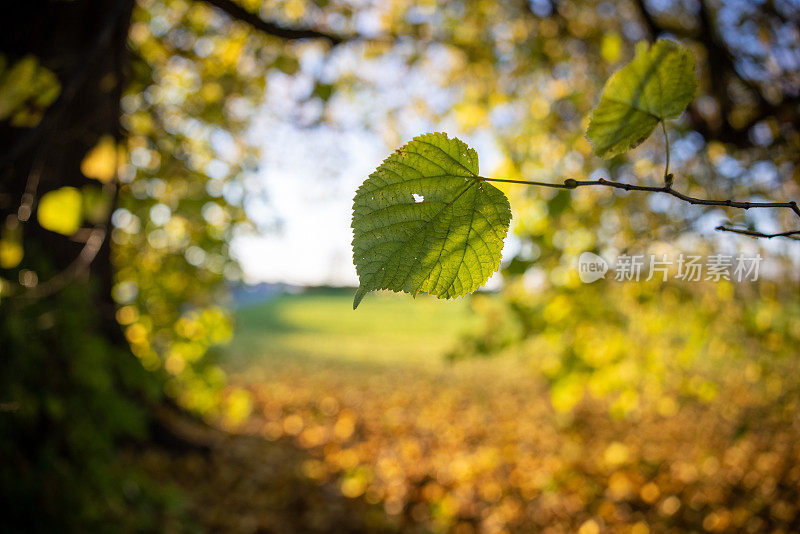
[753, 233]
[722, 65]
[667, 189]
[652, 27]
[237, 12]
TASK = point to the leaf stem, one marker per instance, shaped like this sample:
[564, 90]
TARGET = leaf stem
[528, 182]
[667, 177]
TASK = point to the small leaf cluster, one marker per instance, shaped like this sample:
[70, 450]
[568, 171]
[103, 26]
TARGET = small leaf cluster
[27, 89]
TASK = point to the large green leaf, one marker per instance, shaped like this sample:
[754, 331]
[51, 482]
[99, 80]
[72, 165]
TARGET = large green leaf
[425, 221]
[657, 84]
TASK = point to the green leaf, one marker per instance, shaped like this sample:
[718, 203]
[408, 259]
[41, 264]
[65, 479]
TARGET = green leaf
[426, 221]
[26, 90]
[656, 85]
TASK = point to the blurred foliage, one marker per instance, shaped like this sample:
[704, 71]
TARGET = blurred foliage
[633, 343]
[63, 418]
[183, 112]
[682, 415]
[26, 90]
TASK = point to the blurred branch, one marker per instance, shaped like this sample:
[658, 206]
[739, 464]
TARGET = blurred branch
[237, 12]
[721, 62]
[653, 27]
[667, 189]
[721, 65]
[78, 267]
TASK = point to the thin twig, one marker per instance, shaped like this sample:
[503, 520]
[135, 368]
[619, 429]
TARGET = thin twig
[572, 184]
[667, 188]
[792, 234]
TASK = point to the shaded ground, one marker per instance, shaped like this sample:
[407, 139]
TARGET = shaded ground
[248, 484]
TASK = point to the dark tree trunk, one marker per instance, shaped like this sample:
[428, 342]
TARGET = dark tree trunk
[57, 432]
[84, 43]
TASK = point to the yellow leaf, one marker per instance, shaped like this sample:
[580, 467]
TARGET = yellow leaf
[10, 253]
[60, 210]
[294, 9]
[611, 47]
[100, 162]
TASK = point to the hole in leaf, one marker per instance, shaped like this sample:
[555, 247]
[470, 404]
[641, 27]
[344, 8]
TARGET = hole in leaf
[417, 198]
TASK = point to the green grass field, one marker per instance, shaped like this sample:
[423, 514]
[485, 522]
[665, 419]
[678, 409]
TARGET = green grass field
[321, 327]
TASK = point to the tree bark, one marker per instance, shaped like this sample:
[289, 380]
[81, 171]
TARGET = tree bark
[84, 43]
